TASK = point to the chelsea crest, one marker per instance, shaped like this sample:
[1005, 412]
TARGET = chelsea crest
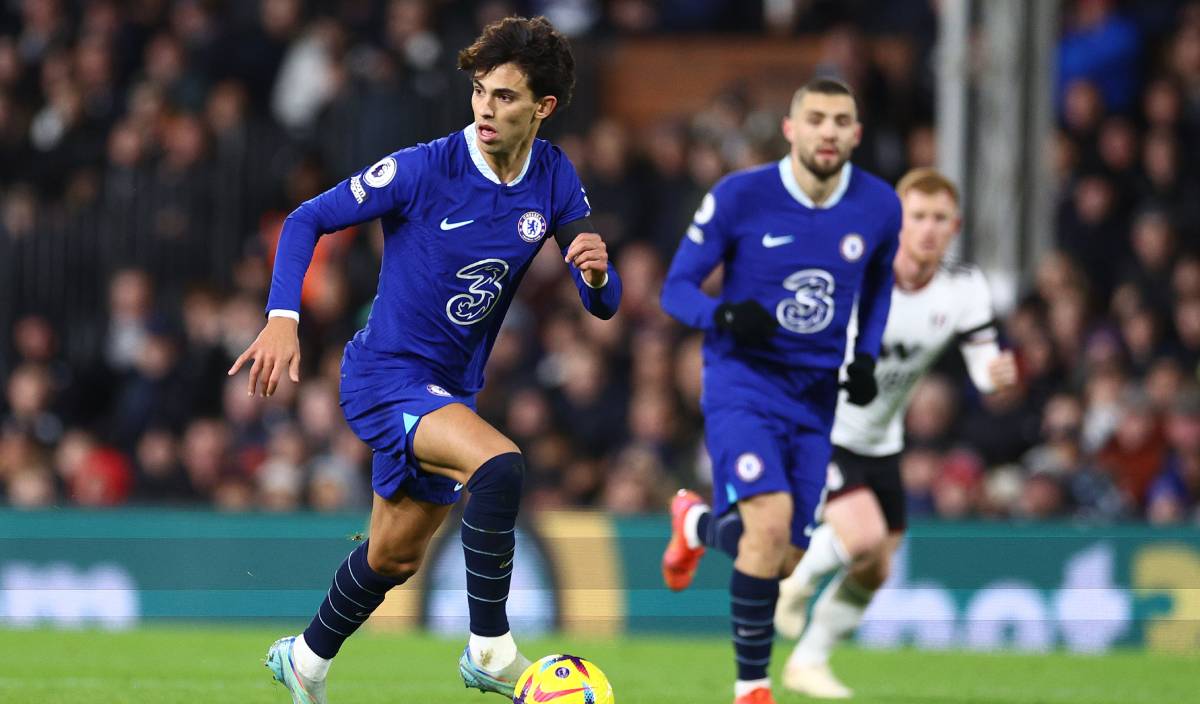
[532, 226]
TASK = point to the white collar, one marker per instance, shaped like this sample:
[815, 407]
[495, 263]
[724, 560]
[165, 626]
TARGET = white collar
[793, 186]
[481, 163]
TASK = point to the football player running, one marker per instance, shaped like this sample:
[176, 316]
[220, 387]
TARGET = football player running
[863, 519]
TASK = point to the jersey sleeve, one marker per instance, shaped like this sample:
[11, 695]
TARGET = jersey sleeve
[875, 295]
[387, 186]
[570, 197]
[976, 329]
[703, 246]
[977, 322]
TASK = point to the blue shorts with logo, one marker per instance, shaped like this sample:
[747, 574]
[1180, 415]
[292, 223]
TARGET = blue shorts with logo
[757, 451]
[384, 408]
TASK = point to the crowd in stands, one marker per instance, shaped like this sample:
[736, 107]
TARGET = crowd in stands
[149, 152]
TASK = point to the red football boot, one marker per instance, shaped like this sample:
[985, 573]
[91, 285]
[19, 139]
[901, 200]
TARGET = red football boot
[679, 561]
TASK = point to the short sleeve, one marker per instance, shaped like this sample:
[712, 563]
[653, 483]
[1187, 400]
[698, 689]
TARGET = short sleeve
[977, 320]
[570, 197]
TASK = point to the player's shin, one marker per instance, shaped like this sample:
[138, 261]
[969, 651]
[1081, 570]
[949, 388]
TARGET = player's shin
[836, 614]
[752, 605]
[356, 591]
[824, 555]
[489, 546]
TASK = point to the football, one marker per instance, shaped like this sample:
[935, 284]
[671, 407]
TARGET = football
[563, 679]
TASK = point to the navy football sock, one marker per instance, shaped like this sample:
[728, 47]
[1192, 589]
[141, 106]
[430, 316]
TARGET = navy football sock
[489, 540]
[357, 590]
[722, 533]
[752, 605]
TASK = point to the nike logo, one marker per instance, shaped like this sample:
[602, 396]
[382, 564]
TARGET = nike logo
[458, 486]
[776, 241]
[506, 563]
[447, 225]
[750, 632]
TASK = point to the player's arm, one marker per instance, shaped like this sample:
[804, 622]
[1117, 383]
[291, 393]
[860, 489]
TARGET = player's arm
[990, 368]
[700, 250]
[377, 190]
[874, 303]
[595, 277]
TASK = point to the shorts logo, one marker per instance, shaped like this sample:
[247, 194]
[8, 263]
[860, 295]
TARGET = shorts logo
[833, 477]
[852, 247]
[532, 226]
[360, 194]
[749, 467]
[381, 173]
[437, 390]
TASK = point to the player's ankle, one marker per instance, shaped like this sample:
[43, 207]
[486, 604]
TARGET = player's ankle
[743, 687]
[310, 665]
[493, 653]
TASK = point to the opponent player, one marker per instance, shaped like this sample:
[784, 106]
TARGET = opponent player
[463, 217]
[933, 306]
[801, 240]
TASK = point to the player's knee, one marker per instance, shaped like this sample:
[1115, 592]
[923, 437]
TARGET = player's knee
[865, 541]
[501, 479]
[399, 565]
[771, 538]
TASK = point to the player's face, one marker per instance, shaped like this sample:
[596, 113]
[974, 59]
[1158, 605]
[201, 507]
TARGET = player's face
[506, 111]
[823, 131]
[930, 224]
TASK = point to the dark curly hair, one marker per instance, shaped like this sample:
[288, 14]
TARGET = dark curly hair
[534, 45]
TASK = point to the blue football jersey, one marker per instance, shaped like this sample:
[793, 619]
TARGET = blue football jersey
[807, 264]
[457, 242]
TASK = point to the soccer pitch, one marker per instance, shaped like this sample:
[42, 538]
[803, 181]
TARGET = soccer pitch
[186, 665]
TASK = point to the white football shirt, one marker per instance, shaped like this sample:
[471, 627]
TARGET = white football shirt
[955, 306]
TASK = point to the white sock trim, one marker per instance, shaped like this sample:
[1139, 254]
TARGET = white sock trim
[691, 520]
[493, 654]
[310, 665]
[743, 687]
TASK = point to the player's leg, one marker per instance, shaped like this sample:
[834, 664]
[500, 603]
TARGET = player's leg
[454, 442]
[852, 529]
[842, 604]
[401, 528]
[736, 440]
[835, 616]
[754, 585]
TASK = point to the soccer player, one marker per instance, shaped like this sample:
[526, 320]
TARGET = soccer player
[802, 241]
[933, 306]
[463, 218]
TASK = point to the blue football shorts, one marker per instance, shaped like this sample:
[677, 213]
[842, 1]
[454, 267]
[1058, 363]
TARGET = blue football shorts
[384, 410]
[757, 451]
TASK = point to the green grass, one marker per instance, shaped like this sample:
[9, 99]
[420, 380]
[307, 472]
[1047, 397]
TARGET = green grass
[163, 665]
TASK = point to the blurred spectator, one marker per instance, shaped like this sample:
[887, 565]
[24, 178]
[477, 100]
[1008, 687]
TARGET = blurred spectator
[1175, 494]
[149, 155]
[1100, 45]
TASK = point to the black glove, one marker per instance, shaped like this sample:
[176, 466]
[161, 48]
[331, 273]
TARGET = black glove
[748, 322]
[860, 380]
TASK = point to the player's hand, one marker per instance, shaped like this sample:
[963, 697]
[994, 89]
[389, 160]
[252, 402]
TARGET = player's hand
[860, 385]
[277, 348]
[589, 254]
[748, 322]
[1003, 370]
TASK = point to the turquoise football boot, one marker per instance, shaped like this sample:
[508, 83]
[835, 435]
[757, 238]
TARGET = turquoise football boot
[283, 668]
[502, 682]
